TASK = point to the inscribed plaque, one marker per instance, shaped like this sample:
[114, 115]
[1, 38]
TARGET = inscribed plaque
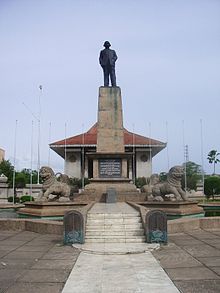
[110, 168]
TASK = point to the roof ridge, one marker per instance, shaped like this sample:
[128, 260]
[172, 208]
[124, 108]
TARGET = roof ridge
[90, 138]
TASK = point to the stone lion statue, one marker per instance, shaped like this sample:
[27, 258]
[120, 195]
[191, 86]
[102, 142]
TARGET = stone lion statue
[51, 186]
[158, 191]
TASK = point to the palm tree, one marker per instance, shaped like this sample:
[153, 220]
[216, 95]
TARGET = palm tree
[212, 157]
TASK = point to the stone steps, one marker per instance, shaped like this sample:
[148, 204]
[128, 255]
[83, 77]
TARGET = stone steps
[111, 216]
[104, 233]
[114, 221]
[115, 239]
[103, 227]
[114, 228]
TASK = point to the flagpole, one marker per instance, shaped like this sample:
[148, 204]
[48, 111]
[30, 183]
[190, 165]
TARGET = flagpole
[184, 155]
[39, 133]
[133, 143]
[83, 159]
[49, 138]
[202, 155]
[168, 158]
[31, 174]
[150, 149]
[14, 171]
[65, 148]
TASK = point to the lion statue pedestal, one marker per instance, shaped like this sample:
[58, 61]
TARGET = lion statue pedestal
[52, 189]
[171, 188]
[53, 201]
[169, 197]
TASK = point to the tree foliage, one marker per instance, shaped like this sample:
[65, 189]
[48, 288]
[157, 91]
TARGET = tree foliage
[24, 177]
[193, 174]
[76, 182]
[21, 178]
[212, 158]
[212, 186]
[140, 182]
[7, 169]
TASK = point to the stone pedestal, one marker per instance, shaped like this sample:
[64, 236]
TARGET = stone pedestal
[110, 137]
[48, 209]
[110, 162]
[176, 209]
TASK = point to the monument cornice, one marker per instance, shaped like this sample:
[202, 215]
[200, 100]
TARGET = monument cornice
[109, 155]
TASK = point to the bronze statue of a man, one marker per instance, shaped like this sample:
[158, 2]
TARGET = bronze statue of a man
[107, 60]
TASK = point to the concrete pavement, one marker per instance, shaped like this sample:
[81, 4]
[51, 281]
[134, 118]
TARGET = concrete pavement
[129, 273]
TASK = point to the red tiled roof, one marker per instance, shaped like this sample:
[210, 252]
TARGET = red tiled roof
[90, 138]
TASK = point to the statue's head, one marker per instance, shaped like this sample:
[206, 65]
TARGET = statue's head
[46, 172]
[107, 44]
[176, 172]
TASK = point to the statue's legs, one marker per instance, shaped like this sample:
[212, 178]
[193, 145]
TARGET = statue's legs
[106, 75]
[109, 70]
[112, 75]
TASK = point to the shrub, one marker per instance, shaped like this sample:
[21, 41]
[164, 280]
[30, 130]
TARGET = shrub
[193, 175]
[140, 182]
[163, 176]
[20, 180]
[24, 198]
[78, 182]
[212, 186]
[10, 199]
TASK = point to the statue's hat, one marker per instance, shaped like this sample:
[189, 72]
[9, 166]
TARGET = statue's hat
[107, 44]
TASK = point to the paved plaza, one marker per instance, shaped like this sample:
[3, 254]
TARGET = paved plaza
[192, 261]
[35, 263]
[32, 262]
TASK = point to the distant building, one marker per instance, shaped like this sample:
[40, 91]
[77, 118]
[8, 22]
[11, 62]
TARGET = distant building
[75, 151]
[2, 155]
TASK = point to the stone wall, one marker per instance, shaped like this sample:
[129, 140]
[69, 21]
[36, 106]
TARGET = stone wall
[38, 226]
[54, 227]
[6, 192]
[73, 165]
[143, 164]
[185, 225]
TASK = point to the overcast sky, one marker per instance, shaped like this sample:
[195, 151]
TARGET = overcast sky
[168, 69]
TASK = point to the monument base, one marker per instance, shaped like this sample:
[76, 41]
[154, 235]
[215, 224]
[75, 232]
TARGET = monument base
[97, 190]
[176, 209]
[48, 209]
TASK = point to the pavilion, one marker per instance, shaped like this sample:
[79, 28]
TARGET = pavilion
[75, 151]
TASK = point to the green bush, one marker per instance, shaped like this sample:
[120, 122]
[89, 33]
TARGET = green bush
[10, 199]
[193, 175]
[20, 180]
[163, 176]
[76, 182]
[212, 186]
[7, 169]
[86, 181]
[24, 198]
[140, 182]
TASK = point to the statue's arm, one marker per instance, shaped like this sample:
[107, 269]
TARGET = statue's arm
[100, 58]
[115, 57]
